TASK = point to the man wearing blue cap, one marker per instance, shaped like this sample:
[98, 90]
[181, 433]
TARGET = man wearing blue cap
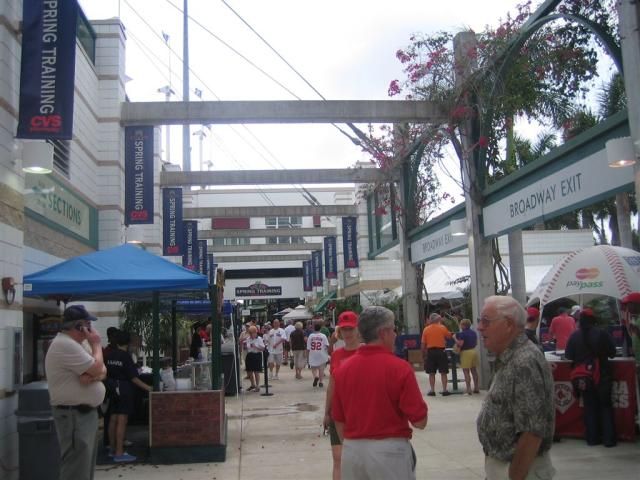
[75, 368]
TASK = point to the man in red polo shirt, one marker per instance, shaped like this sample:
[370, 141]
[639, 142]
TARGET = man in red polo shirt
[376, 400]
[562, 327]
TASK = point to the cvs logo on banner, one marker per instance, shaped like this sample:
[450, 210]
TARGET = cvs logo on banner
[139, 215]
[46, 123]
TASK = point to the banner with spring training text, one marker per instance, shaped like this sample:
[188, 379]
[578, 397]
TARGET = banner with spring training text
[203, 265]
[330, 257]
[307, 284]
[47, 69]
[138, 175]
[172, 221]
[211, 268]
[350, 242]
[316, 266]
[190, 255]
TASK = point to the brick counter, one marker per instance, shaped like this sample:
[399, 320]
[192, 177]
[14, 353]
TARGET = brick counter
[187, 426]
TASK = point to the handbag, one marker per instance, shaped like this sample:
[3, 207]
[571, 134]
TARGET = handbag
[585, 377]
[456, 348]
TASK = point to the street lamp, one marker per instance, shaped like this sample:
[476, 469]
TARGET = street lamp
[37, 156]
[620, 152]
[458, 227]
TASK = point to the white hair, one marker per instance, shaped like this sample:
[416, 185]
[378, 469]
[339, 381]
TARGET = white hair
[508, 307]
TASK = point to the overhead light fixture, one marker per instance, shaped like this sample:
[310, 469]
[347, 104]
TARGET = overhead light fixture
[458, 227]
[620, 152]
[135, 234]
[37, 156]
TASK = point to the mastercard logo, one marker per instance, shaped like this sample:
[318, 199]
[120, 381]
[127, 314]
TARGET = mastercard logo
[587, 273]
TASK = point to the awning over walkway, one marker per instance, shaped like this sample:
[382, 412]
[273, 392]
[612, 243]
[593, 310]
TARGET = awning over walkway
[323, 302]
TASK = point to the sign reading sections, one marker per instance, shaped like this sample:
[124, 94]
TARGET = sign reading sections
[49, 199]
[437, 244]
[580, 183]
[258, 290]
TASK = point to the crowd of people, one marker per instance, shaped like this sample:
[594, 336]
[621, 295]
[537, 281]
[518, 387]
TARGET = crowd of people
[373, 401]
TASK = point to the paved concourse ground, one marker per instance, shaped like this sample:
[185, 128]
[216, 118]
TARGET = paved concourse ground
[280, 437]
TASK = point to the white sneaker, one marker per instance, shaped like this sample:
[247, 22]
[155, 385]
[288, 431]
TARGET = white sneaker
[276, 377]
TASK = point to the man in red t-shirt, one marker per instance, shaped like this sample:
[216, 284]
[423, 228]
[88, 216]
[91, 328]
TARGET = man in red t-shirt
[348, 325]
[561, 328]
[376, 400]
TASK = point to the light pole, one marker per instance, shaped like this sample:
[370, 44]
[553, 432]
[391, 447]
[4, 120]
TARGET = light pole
[628, 25]
[168, 91]
[201, 134]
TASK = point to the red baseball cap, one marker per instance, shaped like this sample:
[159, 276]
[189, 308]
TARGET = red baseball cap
[348, 319]
[533, 312]
[631, 298]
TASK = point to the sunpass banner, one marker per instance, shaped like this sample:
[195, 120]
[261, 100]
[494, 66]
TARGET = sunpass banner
[138, 175]
[330, 257]
[190, 243]
[316, 260]
[172, 221]
[47, 69]
[307, 284]
[203, 266]
[350, 242]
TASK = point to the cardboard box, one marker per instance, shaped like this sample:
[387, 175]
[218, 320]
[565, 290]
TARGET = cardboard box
[414, 357]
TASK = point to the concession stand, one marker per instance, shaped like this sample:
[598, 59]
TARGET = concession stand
[184, 425]
[589, 274]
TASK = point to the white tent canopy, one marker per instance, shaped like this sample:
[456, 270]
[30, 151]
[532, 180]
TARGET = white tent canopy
[298, 313]
[591, 272]
[438, 280]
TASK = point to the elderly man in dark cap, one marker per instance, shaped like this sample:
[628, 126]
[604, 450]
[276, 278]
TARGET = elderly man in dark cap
[75, 368]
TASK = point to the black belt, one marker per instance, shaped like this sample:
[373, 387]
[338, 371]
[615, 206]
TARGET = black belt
[79, 408]
[436, 348]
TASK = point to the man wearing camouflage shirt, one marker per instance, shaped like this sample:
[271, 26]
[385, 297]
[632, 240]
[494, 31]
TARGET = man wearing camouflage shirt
[516, 422]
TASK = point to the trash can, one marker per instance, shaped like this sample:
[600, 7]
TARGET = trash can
[230, 374]
[39, 451]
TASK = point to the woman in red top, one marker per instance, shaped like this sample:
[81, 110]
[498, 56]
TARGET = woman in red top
[348, 324]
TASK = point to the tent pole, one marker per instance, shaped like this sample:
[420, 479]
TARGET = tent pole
[155, 338]
[216, 331]
[174, 338]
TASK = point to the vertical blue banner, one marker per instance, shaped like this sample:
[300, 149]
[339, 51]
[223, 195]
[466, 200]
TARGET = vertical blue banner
[172, 221]
[212, 267]
[307, 283]
[138, 175]
[203, 266]
[190, 243]
[47, 73]
[350, 242]
[330, 257]
[316, 260]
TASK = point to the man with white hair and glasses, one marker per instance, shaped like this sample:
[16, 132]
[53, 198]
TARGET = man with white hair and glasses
[376, 401]
[516, 422]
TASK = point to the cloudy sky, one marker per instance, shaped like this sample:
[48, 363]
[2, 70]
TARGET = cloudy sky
[344, 48]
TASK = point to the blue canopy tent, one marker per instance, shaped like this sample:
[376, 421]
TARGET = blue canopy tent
[121, 273]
